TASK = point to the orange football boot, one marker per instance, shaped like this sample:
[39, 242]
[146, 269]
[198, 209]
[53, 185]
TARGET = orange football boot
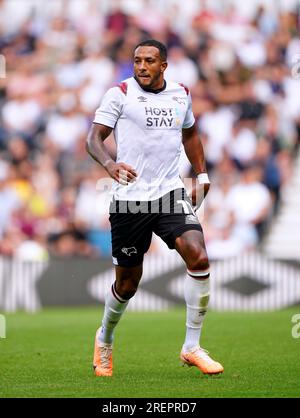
[199, 357]
[103, 365]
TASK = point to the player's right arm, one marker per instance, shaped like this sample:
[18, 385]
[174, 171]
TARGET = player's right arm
[121, 172]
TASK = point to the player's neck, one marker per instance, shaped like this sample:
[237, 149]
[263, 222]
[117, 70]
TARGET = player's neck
[151, 90]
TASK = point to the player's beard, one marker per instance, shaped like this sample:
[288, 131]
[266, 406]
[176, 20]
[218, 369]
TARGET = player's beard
[154, 82]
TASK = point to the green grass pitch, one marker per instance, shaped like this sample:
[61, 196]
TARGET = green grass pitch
[49, 354]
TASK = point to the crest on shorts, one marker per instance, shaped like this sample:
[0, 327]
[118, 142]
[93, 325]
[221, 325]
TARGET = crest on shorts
[129, 251]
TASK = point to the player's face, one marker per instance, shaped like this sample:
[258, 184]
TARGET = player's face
[149, 67]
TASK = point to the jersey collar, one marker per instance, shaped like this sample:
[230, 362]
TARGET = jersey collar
[152, 90]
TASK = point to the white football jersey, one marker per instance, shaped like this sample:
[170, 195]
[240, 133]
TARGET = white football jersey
[148, 132]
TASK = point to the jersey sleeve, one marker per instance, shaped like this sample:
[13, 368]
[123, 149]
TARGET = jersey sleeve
[110, 108]
[189, 119]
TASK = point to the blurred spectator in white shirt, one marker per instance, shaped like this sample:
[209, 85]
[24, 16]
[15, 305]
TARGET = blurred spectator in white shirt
[249, 200]
[93, 199]
[242, 144]
[181, 68]
[66, 127]
[216, 124]
[21, 116]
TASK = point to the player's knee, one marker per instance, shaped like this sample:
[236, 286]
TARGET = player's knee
[202, 263]
[127, 289]
[129, 293]
[127, 281]
[198, 259]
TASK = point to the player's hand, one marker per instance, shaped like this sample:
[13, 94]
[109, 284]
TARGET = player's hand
[121, 172]
[198, 193]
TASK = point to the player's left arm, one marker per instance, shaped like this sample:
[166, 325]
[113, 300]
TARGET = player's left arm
[195, 153]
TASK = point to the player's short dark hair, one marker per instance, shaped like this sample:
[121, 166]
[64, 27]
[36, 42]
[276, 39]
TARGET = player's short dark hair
[161, 47]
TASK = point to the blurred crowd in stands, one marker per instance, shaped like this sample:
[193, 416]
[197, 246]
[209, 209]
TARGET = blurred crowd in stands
[239, 60]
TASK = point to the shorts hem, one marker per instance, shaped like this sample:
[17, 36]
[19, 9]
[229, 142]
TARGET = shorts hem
[134, 262]
[179, 231]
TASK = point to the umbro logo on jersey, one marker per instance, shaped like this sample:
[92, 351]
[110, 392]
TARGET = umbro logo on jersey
[179, 100]
[142, 99]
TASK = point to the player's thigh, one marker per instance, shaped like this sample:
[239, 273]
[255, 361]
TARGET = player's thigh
[191, 246]
[176, 217]
[131, 238]
[171, 226]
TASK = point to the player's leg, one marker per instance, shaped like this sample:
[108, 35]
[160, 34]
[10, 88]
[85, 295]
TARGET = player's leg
[180, 229]
[116, 301]
[131, 238]
[117, 298]
[190, 245]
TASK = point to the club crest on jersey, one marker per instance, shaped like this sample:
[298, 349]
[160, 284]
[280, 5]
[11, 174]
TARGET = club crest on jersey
[129, 251]
[179, 100]
[142, 99]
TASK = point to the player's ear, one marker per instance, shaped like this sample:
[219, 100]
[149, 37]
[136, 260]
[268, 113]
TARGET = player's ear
[163, 66]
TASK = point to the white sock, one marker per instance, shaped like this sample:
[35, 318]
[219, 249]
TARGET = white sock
[114, 309]
[196, 294]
